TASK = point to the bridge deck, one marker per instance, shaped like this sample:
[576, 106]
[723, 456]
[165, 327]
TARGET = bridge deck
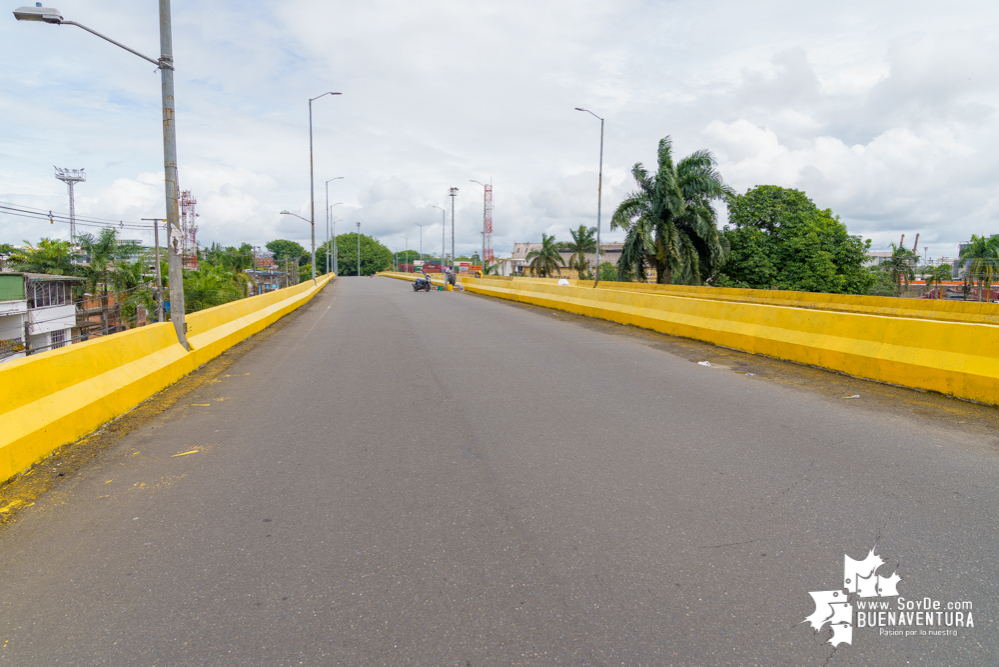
[445, 479]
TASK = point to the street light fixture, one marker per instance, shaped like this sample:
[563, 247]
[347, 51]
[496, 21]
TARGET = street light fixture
[165, 65]
[600, 183]
[312, 186]
[335, 178]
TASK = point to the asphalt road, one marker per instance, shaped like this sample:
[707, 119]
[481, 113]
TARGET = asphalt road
[396, 478]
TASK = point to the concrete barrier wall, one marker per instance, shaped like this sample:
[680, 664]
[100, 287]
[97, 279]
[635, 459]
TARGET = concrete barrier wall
[953, 349]
[51, 399]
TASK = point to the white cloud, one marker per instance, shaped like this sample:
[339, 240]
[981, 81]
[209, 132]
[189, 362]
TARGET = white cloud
[881, 111]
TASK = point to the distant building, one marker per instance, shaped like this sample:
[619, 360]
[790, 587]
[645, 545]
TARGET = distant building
[516, 264]
[37, 313]
[265, 261]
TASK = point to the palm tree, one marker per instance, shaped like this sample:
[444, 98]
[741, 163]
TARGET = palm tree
[670, 223]
[545, 261]
[584, 240]
[900, 267]
[984, 255]
[100, 251]
[49, 256]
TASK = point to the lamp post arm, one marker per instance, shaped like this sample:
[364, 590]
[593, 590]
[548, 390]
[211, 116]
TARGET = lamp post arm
[158, 63]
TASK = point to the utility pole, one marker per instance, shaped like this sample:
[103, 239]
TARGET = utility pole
[421, 240]
[159, 276]
[358, 249]
[453, 193]
[600, 184]
[174, 238]
[443, 232]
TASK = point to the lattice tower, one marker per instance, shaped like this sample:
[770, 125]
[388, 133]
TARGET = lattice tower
[71, 177]
[488, 224]
[188, 230]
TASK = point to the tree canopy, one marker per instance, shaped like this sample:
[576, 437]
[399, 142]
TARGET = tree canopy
[779, 237]
[284, 248]
[375, 257]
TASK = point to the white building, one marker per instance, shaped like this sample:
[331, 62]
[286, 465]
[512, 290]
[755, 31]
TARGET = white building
[37, 313]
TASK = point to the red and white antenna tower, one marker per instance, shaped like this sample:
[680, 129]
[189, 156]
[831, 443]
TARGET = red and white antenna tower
[189, 230]
[488, 224]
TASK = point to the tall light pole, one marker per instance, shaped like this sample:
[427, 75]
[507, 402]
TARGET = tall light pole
[452, 193]
[165, 65]
[335, 178]
[443, 232]
[332, 249]
[600, 183]
[484, 191]
[358, 249]
[313, 242]
[421, 240]
[312, 186]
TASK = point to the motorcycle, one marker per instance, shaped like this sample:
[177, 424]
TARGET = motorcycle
[422, 283]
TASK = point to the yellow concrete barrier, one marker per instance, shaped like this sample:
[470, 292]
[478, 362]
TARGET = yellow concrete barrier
[949, 347]
[54, 398]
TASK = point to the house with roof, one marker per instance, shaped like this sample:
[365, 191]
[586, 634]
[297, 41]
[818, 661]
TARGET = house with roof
[37, 313]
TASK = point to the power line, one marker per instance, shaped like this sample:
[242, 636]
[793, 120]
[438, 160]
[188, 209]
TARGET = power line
[52, 217]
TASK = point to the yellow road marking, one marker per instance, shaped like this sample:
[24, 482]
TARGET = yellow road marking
[193, 451]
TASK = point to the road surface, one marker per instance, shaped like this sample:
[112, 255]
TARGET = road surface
[393, 478]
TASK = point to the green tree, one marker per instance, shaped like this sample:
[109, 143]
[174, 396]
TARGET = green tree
[584, 240]
[669, 221]
[900, 267]
[211, 285]
[283, 248]
[608, 272]
[49, 256]
[778, 237]
[110, 267]
[984, 255]
[375, 257]
[545, 261]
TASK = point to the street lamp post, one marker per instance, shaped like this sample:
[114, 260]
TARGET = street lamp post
[453, 192]
[165, 65]
[484, 212]
[312, 187]
[421, 240]
[600, 183]
[313, 240]
[335, 178]
[443, 232]
[332, 248]
[358, 249]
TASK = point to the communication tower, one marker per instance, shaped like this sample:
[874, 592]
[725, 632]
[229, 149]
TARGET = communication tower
[71, 177]
[487, 250]
[188, 230]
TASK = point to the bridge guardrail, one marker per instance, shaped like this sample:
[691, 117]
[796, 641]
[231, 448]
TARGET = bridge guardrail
[56, 397]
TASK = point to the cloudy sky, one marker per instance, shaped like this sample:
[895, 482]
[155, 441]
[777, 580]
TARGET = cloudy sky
[883, 111]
